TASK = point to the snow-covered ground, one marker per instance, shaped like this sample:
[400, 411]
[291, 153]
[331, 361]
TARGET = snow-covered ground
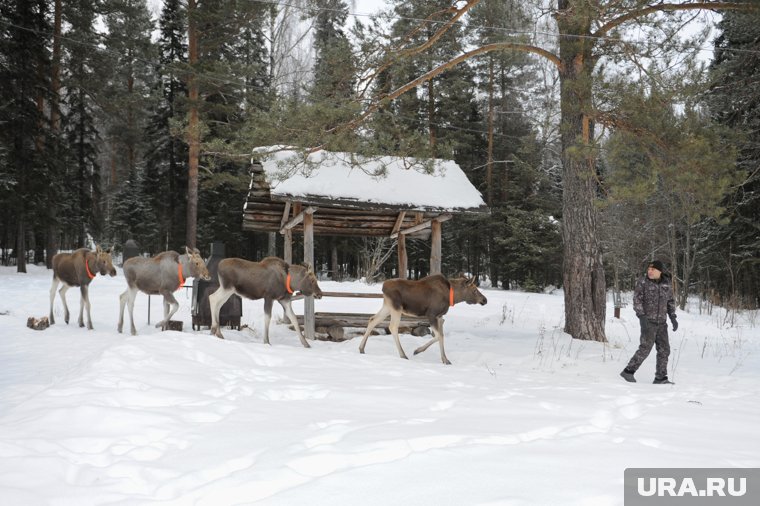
[525, 415]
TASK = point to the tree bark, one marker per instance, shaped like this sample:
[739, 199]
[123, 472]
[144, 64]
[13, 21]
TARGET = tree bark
[193, 128]
[583, 270]
[21, 244]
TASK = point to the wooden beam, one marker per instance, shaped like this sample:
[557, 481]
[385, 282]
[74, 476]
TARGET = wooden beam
[398, 223]
[308, 257]
[422, 226]
[435, 248]
[358, 295]
[285, 214]
[288, 247]
[402, 259]
[298, 219]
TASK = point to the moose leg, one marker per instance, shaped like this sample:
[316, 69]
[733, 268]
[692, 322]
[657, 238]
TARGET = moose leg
[170, 307]
[122, 302]
[292, 316]
[128, 298]
[393, 325]
[216, 300]
[434, 330]
[267, 318]
[62, 293]
[85, 304]
[53, 288]
[374, 322]
[437, 327]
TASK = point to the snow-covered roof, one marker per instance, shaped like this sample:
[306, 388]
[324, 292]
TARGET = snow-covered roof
[405, 183]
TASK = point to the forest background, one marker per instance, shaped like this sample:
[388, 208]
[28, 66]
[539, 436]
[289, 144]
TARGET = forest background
[117, 123]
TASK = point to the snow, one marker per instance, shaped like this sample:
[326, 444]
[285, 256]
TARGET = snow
[380, 180]
[525, 415]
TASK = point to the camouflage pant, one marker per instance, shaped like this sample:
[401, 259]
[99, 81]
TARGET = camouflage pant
[654, 334]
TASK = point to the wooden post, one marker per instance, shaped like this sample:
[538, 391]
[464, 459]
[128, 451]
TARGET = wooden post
[402, 260]
[334, 267]
[435, 247]
[272, 244]
[288, 249]
[308, 256]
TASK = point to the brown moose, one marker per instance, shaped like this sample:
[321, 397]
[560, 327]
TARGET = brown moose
[162, 275]
[429, 297]
[79, 268]
[270, 279]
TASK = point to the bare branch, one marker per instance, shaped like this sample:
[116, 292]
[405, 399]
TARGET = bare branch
[458, 13]
[500, 46]
[603, 30]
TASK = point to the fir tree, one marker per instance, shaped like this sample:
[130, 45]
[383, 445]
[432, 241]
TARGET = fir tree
[81, 82]
[24, 131]
[734, 101]
[165, 181]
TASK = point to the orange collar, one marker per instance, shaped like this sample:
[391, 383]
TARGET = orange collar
[87, 267]
[181, 277]
[287, 284]
[451, 295]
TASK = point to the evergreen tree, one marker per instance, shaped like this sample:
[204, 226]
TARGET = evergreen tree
[165, 181]
[734, 101]
[334, 68]
[82, 84]
[24, 130]
[127, 101]
[679, 168]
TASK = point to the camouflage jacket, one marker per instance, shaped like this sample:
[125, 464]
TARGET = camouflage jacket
[654, 299]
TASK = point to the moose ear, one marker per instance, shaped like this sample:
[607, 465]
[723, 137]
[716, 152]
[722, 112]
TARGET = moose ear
[471, 281]
[97, 249]
[187, 250]
[308, 267]
[197, 251]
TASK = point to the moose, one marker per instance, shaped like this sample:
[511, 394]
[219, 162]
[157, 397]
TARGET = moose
[270, 279]
[79, 268]
[161, 275]
[429, 297]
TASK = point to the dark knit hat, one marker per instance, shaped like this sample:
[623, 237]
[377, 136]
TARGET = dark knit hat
[657, 264]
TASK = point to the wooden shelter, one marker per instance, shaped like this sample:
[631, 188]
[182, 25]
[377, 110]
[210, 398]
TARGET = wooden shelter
[342, 194]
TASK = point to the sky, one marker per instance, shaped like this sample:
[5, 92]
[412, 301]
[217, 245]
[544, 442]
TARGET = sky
[524, 415]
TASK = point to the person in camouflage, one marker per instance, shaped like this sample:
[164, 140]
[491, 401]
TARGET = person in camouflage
[653, 302]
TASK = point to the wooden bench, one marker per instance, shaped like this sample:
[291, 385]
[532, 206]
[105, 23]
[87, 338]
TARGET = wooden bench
[334, 324]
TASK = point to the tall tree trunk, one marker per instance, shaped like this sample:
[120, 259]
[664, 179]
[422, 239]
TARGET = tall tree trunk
[583, 270]
[21, 244]
[193, 128]
[51, 245]
[493, 269]
[431, 117]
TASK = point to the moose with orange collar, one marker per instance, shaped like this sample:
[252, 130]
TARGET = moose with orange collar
[429, 297]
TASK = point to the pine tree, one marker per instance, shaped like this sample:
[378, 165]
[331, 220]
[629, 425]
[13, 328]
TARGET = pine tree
[165, 181]
[24, 130]
[126, 102]
[334, 68]
[734, 101]
[82, 190]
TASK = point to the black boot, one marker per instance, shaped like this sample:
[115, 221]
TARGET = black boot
[628, 376]
[663, 381]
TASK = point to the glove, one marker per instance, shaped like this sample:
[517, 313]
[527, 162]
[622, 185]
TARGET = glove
[674, 322]
[644, 323]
